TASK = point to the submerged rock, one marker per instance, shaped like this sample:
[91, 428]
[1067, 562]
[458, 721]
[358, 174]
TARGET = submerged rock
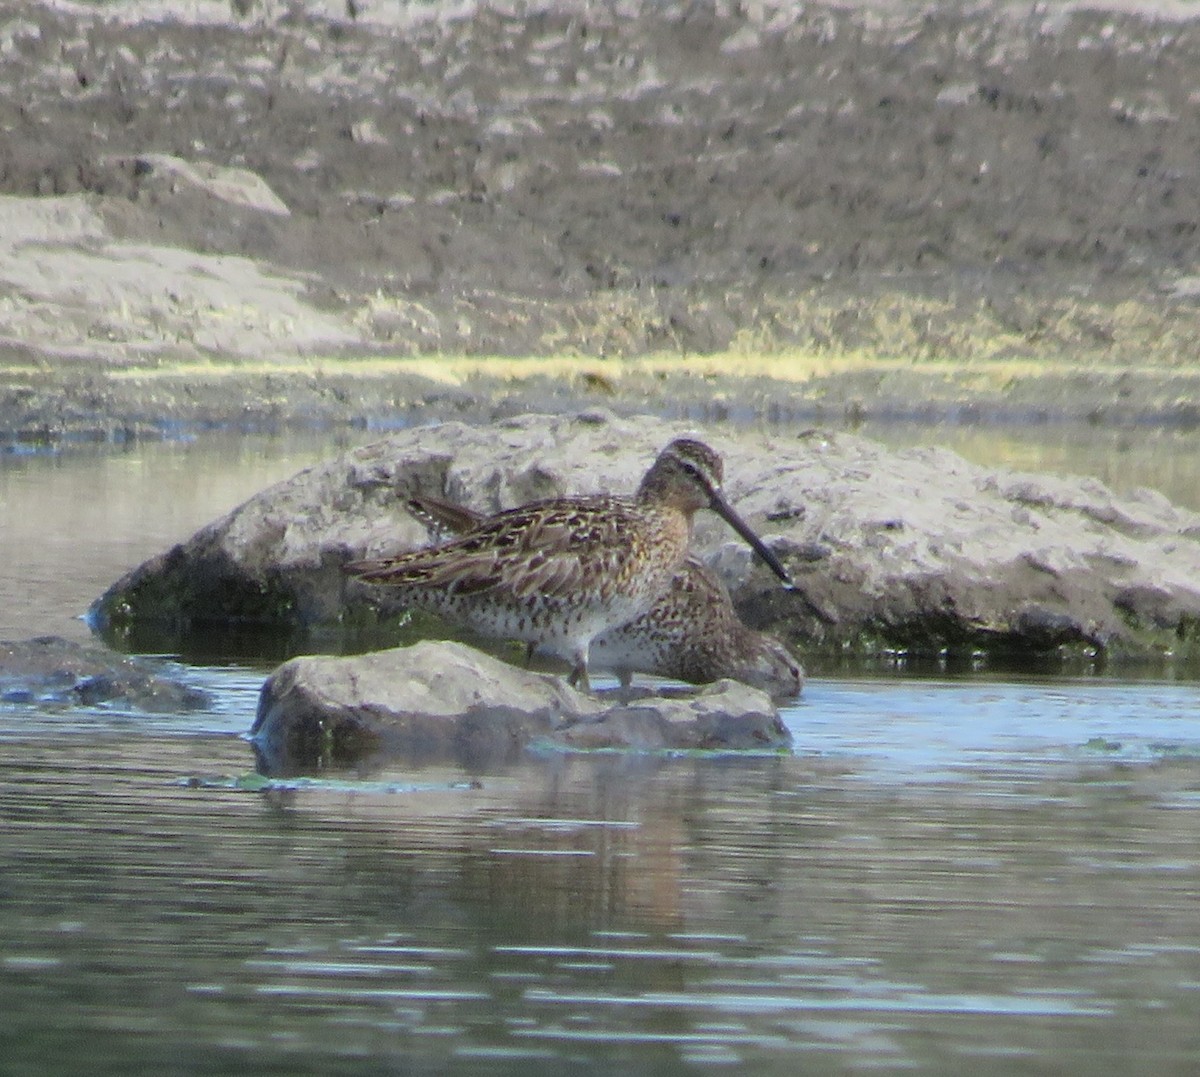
[438, 701]
[53, 670]
[917, 550]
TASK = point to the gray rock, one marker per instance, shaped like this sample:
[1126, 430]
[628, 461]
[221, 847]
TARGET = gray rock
[919, 549]
[237, 186]
[75, 279]
[448, 701]
[52, 670]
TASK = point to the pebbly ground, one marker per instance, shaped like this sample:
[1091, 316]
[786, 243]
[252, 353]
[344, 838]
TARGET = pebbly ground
[253, 184]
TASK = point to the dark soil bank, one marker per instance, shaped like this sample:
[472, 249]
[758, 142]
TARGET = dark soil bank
[635, 176]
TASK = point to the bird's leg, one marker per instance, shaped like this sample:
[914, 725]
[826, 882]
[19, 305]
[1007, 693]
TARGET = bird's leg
[579, 672]
[578, 679]
[530, 649]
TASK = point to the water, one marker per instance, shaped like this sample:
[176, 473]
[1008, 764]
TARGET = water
[71, 523]
[1000, 875]
[912, 888]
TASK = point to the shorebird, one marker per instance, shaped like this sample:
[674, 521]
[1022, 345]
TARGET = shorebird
[692, 632]
[558, 572]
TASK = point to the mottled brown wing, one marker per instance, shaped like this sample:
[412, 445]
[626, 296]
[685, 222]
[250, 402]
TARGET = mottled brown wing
[435, 512]
[550, 548]
[466, 571]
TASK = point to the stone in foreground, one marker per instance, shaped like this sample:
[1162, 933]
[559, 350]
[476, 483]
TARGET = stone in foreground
[437, 701]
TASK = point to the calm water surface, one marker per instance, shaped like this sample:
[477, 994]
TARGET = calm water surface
[1001, 876]
[972, 875]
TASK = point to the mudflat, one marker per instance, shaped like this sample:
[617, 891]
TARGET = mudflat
[255, 213]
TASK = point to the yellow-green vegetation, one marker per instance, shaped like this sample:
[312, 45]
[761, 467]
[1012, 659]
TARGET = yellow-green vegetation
[919, 328]
[793, 337]
[786, 337]
[846, 356]
[898, 325]
[789, 365]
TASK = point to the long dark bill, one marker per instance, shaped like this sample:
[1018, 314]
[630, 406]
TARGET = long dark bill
[723, 509]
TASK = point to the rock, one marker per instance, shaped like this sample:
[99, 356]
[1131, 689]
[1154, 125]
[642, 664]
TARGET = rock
[724, 716]
[53, 670]
[439, 701]
[237, 186]
[919, 549]
[81, 291]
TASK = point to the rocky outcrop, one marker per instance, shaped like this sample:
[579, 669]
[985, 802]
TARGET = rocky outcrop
[52, 670]
[915, 550]
[82, 290]
[439, 701]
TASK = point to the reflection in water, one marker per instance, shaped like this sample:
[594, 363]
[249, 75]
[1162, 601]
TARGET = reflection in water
[996, 896]
[72, 524]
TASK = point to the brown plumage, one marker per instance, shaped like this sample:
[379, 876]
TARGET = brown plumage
[691, 633]
[557, 573]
